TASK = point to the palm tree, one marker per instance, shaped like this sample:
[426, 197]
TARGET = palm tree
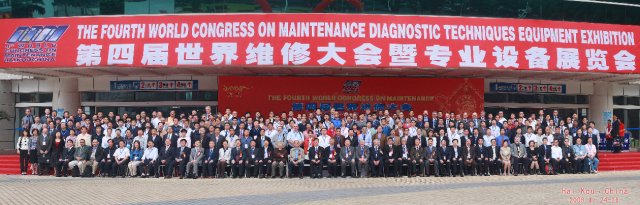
[4, 115]
[26, 8]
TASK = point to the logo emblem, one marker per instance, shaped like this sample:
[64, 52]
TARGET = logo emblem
[33, 44]
[351, 86]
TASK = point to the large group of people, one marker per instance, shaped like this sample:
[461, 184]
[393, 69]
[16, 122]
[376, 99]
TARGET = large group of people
[356, 144]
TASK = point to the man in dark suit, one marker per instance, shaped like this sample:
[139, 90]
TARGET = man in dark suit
[481, 158]
[417, 161]
[444, 160]
[265, 158]
[545, 154]
[390, 157]
[315, 159]
[251, 164]
[237, 160]
[96, 155]
[615, 128]
[376, 159]
[182, 157]
[332, 155]
[430, 157]
[107, 162]
[493, 157]
[568, 157]
[347, 157]
[44, 149]
[456, 158]
[403, 157]
[518, 154]
[362, 158]
[210, 160]
[172, 136]
[67, 156]
[468, 158]
[157, 140]
[166, 157]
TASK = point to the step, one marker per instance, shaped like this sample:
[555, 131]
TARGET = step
[635, 154]
[10, 166]
[613, 163]
[620, 160]
[9, 171]
[618, 169]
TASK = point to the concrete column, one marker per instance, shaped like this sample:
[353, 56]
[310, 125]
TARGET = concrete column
[7, 104]
[600, 102]
[66, 95]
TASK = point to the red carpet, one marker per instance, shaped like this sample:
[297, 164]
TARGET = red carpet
[9, 164]
[619, 161]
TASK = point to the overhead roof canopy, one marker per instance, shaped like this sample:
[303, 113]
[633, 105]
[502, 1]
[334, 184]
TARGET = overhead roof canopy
[322, 71]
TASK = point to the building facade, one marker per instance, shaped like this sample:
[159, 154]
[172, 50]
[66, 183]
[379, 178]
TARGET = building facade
[170, 60]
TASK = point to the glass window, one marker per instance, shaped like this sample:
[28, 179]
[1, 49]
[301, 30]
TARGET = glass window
[155, 96]
[495, 97]
[582, 99]
[618, 100]
[115, 96]
[45, 97]
[559, 99]
[25, 98]
[525, 98]
[633, 100]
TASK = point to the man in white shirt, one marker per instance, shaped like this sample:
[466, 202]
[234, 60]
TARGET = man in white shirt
[122, 158]
[495, 130]
[324, 138]
[294, 135]
[487, 138]
[556, 156]
[149, 160]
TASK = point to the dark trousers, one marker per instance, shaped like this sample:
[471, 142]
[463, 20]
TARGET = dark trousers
[481, 166]
[516, 164]
[168, 168]
[24, 160]
[237, 169]
[333, 168]
[445, 168]
[293, 168]
[182, 167]
[495, 166]
[62, 168]
[392, 171]
[106, 168]
[467, 167]
[43, 164]
[252, 168]
[404, 162]
[345, 163]
[609, 144]
[149, 166]
[222, 165]
[427, 168]
[543, 163]
[455, 166]
[526, 164]
[417, 168]
[376, 170]
[579, 165]
[264, 168]
[209, 168]
[122, 167]
[555, 164]
[567, 165]
[316, 169]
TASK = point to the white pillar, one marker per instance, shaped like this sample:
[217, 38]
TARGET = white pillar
[66, 95]
[8, 105]
[601, 102]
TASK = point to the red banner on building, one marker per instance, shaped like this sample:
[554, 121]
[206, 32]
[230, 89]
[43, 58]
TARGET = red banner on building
[319, 40]
[281, 94]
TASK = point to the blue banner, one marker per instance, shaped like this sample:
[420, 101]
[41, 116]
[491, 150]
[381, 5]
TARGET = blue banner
[153, 85]
[527, 88]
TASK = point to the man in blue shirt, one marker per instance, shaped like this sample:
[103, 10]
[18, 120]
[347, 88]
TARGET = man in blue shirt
[502, 137]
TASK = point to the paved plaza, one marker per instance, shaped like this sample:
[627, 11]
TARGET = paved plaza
[603, 188]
